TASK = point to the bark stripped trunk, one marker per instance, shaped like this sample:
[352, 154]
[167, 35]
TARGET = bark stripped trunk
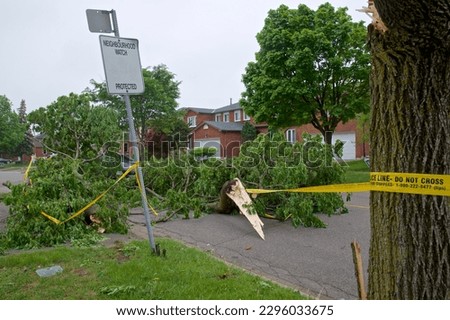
[410, 132]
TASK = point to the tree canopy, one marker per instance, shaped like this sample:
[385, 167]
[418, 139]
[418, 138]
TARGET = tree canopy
[312, 67]
[12, 131]
[155, 108]
[75, 127]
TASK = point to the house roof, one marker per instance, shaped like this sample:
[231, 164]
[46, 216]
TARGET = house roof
[224, 126]
[231, 107]
[200, 110]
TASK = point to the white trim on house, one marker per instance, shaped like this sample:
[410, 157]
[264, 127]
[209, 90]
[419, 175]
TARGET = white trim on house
[226, 117]
[192, 121]
[237, 115]
[290, 135]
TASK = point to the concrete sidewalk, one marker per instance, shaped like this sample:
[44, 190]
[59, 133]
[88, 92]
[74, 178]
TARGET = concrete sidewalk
[317, 262]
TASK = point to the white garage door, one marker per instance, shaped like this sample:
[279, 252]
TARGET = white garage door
[200, 143]
[349, 140]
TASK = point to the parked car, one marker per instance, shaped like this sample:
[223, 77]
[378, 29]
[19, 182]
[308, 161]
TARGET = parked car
[4, 161]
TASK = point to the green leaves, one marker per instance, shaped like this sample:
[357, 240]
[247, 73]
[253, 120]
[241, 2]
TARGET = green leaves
[74, 127]
[12, 131]
[310, 64]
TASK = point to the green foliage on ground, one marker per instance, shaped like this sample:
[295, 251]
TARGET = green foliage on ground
[130, 271]
[60, 187]
[268, 162]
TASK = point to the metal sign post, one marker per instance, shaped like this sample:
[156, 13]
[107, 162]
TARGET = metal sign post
[123, 76]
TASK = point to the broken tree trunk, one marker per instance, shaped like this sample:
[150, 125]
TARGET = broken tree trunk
[225, 204]
[236, 192]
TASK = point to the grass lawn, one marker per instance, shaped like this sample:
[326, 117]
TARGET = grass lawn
[357, 171]
[129, 271]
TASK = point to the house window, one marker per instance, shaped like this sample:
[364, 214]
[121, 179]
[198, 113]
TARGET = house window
[226, 117]
[218, 117]
[237, 116]
[246, 117]
[290, 135]
[192, 121]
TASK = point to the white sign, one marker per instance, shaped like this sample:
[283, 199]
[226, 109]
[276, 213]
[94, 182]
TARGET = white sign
[122, 65]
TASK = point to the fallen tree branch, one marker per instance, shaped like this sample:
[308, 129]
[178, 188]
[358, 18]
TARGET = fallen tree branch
[154, 193]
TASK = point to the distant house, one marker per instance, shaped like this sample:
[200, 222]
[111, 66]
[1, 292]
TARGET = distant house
[221, 128]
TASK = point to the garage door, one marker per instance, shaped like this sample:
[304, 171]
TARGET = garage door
[349, 140]
[215, 143]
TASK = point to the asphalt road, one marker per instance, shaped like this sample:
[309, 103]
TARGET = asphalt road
[318, 262]
[14, 176]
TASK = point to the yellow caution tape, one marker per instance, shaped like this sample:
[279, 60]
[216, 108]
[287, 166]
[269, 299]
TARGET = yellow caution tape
[414, 183]
[25, 176]
[90, 204]
[143, 190]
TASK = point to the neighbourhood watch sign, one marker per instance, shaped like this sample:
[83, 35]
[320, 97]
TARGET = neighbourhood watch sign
[122, 65]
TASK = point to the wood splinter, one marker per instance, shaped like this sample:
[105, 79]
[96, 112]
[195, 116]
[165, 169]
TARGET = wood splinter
[359, 272]
[241, 198]
[372, 12]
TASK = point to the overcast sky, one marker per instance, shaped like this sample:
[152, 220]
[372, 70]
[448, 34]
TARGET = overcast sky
[47, 49]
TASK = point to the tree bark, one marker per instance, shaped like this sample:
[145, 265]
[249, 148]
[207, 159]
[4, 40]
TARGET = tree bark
[225, 204]
[410, 132]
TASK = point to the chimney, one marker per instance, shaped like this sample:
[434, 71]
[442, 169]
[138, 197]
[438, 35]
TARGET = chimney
[231, 101]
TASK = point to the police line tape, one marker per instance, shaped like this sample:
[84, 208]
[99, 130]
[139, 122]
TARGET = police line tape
[412, 183]
[90, 204]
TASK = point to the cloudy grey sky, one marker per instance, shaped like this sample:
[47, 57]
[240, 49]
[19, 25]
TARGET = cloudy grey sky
[47, 49]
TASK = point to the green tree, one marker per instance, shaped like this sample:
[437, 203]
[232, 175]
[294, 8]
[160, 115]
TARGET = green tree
[74, 127]
[155, 108]
[12, 132]
[249, 132]
[410, 132]
[363, 124]
[312, 67]
[26, 146]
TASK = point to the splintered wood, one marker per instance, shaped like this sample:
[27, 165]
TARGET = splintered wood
[372, 12]
[359, 271]
[242, 199]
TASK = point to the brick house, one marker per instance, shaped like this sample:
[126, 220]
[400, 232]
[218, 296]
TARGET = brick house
[221, 128]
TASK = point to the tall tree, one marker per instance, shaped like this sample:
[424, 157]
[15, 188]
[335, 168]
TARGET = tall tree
[12, 132]
[410, 132]
[155, 108]
[26, 146]
[312, 67]
[74, 127]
